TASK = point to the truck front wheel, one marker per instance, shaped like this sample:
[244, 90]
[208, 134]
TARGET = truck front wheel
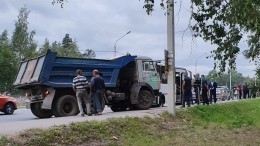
[145, 100]
[39, 112]
[66, 106]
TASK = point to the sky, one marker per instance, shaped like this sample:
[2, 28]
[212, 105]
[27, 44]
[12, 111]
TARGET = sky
[98, 24]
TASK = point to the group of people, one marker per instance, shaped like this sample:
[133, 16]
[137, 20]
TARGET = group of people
[200, 84]
[243, 89]
[87, 93]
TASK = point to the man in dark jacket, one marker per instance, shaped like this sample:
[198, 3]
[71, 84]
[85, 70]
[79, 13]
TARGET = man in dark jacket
[245, 91]
[97, 91]
[212, 87]
[187, 90]
[204, 90]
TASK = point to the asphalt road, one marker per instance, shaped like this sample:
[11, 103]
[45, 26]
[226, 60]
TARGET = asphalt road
[23, 114]
[23, 119]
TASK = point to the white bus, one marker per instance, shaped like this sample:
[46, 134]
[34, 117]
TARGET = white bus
[179, 73]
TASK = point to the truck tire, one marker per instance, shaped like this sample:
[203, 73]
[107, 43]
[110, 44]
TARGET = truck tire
[145, 100]
[103, 103]
[118, 107]
[39, 112]
[66, 106]
[55, 109]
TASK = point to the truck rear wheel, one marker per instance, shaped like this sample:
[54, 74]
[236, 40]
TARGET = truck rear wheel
[66, 106]
[145, 100]
[118, 107]
[39, 112]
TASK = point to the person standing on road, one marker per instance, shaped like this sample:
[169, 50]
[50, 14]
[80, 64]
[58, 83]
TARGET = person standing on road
[204, 90]
[97, 91]
[212, 88]
[239, 89]
[186, 86]
[80, 85]
[245, 91]
[197, 87]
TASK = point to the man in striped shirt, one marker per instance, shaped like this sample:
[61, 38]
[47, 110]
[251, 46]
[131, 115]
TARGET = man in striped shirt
[80, 85]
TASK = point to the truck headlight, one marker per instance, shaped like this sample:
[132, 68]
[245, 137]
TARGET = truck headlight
[27, 93]
[47, 92]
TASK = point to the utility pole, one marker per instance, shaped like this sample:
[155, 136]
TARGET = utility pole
[171, 57]
[230, 78]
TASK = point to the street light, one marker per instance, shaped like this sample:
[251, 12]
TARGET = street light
[196, 62]
[118, 40]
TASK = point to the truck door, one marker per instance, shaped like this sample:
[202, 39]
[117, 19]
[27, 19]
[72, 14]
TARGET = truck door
[150, 75]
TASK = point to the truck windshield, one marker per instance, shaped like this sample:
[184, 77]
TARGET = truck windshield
[148, 66]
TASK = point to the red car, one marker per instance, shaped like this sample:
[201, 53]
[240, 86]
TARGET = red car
[7, 104]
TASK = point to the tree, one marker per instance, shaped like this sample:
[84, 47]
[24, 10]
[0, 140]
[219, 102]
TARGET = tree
[56, 47]
[46, 45]
[223, 23]
[224, 78]
[23, 43]
[89, 53]
[8, 63]
[69, 47]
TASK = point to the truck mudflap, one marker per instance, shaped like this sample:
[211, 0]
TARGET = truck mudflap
[47, 102]
[159, 100]
[135, 89]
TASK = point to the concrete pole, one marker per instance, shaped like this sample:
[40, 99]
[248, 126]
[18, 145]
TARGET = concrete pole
[230, 78]
[171, 57]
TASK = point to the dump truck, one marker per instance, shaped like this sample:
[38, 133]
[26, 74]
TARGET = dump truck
[131, 82]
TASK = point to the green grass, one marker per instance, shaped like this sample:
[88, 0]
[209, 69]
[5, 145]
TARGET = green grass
[236, 123]
[234, 114]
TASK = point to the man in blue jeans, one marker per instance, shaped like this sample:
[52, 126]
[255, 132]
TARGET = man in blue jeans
[97, 91]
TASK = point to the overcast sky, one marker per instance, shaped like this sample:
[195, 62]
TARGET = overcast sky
[97, 24]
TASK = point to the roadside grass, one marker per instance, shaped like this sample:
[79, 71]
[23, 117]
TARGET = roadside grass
[233, 114]
[234, 123]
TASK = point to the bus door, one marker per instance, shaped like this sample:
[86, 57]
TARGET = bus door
[178, 82]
